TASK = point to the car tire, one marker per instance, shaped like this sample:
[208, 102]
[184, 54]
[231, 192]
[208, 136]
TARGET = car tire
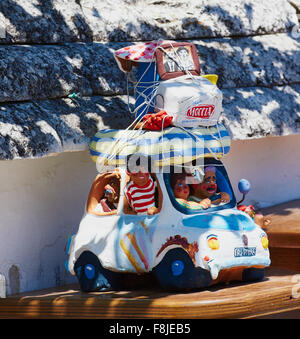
[91, 275]
[177, 271]
[253, 274]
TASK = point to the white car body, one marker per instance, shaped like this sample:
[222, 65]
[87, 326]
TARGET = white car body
[138, 243]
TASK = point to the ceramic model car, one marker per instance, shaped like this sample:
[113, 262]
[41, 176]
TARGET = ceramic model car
[182, 248]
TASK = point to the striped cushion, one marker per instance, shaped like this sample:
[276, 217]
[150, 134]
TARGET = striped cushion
[169, 147]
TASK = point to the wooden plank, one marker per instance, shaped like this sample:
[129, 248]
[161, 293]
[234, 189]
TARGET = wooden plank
[288, 258]
[284, 230]
[284, 235]
[276, 293]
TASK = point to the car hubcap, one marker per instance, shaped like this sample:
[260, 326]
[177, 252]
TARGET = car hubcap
[177, 267]
[89, 271]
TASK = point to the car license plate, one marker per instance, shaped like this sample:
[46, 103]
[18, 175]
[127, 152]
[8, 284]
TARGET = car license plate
[244, 251]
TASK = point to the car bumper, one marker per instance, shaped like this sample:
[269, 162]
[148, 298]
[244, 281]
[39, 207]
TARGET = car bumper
[217, 265]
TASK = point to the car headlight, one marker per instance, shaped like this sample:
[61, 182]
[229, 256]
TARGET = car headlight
[264, 241]
[213, 242]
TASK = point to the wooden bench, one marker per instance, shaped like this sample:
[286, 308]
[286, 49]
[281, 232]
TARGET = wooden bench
[278, 295]
[284, 235]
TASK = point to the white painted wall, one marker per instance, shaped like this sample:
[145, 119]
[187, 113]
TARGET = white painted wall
[42, 201]
[272, 165]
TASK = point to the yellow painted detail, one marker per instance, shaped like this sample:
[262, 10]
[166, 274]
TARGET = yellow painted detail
[130, 257]
[213, 243]
[265, 242]
[213, 78]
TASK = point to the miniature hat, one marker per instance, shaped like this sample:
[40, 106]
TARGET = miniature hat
[209, 169]
[129, 56]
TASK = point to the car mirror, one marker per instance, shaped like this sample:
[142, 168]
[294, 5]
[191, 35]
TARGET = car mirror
[244, 187]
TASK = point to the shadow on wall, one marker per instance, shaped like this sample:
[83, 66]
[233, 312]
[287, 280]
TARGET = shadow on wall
[95, 75]
[52, 30]
[43, 127]
[14, 279]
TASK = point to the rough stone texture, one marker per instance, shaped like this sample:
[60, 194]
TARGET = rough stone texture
[50, 126]
[53, 21]
[43, 21]
[253, 45]
[35, 129]
[253, 61]
[41, 72]
[258, 112]
[154, 19]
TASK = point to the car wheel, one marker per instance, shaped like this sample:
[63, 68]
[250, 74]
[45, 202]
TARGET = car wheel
[177, 271]
[91, 275]
[253, 274]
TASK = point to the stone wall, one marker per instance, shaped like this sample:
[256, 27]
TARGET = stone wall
[52, 48]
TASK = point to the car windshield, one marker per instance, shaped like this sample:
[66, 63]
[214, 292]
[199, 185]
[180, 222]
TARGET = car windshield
[208, 192]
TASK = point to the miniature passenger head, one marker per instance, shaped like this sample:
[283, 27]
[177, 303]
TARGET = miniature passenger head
[208, 186]
[112, 190]
[138, 168]
[183, 52]
[170, 55]
[180, 188]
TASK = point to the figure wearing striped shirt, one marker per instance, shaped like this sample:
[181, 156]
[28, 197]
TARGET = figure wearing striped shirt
[140, 193]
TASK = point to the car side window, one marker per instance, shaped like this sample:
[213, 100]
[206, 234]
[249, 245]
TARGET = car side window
[180, 184]
[104, 195]
[209, 191]
[142, 199]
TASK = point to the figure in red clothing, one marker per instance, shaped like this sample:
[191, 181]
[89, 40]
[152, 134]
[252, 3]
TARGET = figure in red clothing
[140, 190]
